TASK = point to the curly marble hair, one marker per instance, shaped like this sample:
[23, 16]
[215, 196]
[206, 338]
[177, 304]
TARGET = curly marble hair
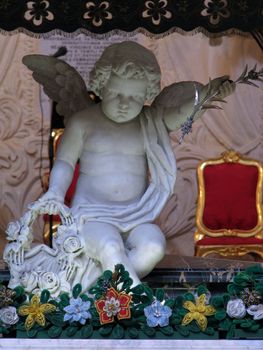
[127, 60]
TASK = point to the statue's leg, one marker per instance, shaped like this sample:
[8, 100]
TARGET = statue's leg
[105, 244]
[146, 247]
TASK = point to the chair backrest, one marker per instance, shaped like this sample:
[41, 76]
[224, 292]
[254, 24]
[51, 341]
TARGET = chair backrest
[230, 197]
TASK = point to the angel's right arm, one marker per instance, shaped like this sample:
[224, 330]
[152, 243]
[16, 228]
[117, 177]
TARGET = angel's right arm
[68, 153]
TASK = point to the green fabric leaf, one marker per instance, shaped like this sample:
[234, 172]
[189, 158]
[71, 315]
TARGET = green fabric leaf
[217, 301]
[209, 331]
[64, 299]
[76, 290]
[149, 292]
[232, 290]
[105, 330]
[139, 289]
[242, 279]
[167, 330]
[118, 332]
[259, 288]
[174, 320]
[86, 331]
[20, 326]
[19, 291]
[127, 284]
[133, 332]
[159, 294]
[237, 321]
[57, 319]
[220, 315]
[54, 332]
[194, 328]
[183, 331]
[225, 325]
[178, 301]
[44, 297]
[247, 323]
[254, 269]
[149, 331]
[107, 275]
[182, 311]
[94, 290]
[54, 302]
[231, 332]
[226, 298]
[71, 331]
[84, 297]
[189, 297]
[254, 327]
[201, 289]
[32, 333]
[170, 303]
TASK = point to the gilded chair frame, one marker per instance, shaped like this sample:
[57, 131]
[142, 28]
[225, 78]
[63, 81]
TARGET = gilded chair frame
[202, 231]
[51, 227]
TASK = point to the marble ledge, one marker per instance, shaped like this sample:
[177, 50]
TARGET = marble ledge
[93, 344]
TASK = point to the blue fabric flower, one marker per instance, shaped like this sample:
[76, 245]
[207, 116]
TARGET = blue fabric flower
[77, 311]
[157, 314]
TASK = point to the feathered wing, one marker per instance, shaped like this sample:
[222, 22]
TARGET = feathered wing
[175, 95]
[61, 82]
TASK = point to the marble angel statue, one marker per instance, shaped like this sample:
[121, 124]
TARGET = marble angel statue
[127, 168]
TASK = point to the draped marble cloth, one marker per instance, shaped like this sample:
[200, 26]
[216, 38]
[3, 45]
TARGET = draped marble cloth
[162, 169]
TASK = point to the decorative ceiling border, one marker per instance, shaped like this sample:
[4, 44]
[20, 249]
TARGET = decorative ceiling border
[156, 17]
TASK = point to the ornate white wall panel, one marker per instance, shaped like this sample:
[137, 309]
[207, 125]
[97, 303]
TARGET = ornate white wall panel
[21, 131]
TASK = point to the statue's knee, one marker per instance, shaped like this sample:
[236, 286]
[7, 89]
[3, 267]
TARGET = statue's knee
[112, 247]
[156, 250]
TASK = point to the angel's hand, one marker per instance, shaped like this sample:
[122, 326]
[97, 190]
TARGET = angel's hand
[52, 204]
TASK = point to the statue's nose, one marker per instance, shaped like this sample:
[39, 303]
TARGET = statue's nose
[123, 101]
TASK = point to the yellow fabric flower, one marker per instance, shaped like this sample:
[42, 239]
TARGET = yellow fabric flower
[198, 312]
[35, 312]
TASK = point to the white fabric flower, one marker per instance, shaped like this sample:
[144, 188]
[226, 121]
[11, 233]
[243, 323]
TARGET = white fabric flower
[54, 283]
[49, 281]
[12, 231]
[236, 308]
[29, 280]
[256, 311]
[8, 315]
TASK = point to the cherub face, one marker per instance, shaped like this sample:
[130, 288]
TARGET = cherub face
[123, 99]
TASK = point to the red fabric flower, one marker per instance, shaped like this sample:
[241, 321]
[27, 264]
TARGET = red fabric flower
[113, 304]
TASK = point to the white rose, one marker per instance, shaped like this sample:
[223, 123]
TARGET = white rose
[49, 281]
[72, 244]
[236, 308]
[256, 311]
[8, 315]
[29, 280]
[12, 231]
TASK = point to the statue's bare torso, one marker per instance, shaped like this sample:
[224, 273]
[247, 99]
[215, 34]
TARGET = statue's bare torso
[113, 167]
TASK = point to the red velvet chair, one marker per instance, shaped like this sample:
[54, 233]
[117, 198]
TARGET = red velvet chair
[229, 217]
[51, 222]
